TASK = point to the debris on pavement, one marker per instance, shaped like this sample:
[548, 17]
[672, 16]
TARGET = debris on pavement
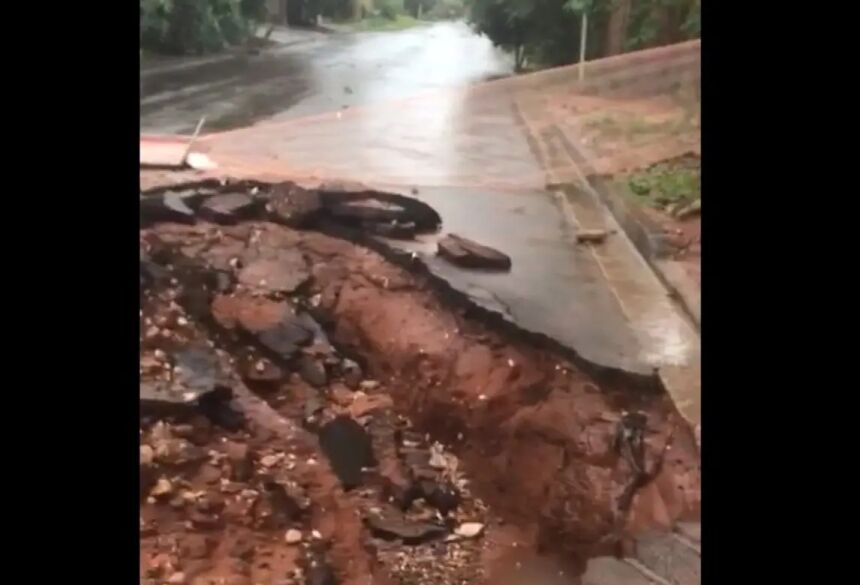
[469, 254]
[591, 236]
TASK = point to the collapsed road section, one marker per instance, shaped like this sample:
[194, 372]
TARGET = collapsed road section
[317, 407]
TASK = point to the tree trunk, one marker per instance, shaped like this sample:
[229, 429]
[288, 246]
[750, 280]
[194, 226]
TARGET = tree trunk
[617, 27]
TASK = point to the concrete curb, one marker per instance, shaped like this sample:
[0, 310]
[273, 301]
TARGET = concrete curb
[644, 234]
[682, 382]
[641, 230]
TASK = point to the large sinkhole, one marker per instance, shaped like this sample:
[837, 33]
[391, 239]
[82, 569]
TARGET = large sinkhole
[318, 407]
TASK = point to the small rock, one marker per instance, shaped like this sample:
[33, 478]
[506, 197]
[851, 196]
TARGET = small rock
[263, 372]
[341, 395]
[442, 496]
[591, 236]
[369, 385]
[469, 529]
[177, 579]
[147, 455]
[437, 460]
[351, 373]
[271, 460]
[286, 337]
[162, 488]
[313, 372]
[293, 536]
[694, 208]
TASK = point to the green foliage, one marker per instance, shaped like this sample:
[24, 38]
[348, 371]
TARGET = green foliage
[192, 26]
[390, 9]
[578, 6]
[667, 183]
[693, 22]
[254, 9]
[446, 10]
[336, 9]
[543, 30]
[547, 31]
[655, 22]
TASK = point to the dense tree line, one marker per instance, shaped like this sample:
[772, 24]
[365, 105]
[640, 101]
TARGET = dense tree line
[197, 26]
[548, 31]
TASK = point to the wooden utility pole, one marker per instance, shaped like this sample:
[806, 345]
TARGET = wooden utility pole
[582, 38]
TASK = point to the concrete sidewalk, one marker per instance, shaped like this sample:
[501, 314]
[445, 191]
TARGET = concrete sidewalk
[628, 114]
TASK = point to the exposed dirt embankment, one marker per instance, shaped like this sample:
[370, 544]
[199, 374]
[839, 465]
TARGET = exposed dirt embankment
[344, 369]
[538, 434]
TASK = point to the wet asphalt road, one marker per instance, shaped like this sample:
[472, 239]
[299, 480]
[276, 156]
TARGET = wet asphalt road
[402, 110]
[312, 73]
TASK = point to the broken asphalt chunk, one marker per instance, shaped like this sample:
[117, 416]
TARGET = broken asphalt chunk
[227, 208]
[313, 372]
[368, 209]
[285, 338]
[170, 207]
[217, 407]
[469, 254]
[293, 205]
[348, 448]
[390, 524]
[395, 230]
[196, 374]
[196, 370]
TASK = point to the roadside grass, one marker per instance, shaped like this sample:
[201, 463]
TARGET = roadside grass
[666, 185]
[634, 129]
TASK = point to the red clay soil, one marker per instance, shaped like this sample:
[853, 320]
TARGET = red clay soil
[530, 427]
[529, 437]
